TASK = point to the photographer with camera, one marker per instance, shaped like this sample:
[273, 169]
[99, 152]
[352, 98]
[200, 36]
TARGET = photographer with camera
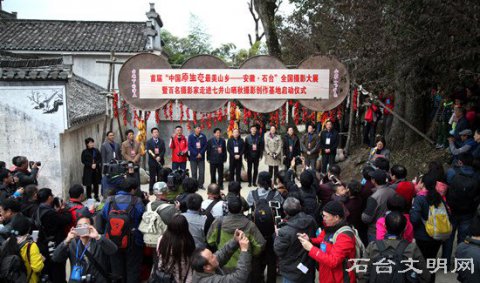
[131, 151]
[51, 220]
[273, 150]
[88, 252]
[22, 172]
[156, 160]
[179, 146]
[7, 184]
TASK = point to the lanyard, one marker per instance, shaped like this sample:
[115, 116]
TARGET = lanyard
[79, 259]
[235, 142]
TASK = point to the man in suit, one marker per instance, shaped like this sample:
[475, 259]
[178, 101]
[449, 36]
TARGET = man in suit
[291, 147]
[197, 146]
[235, 148]
[131, 152]
[216, 155]
[310, 146]
[110, 150]
[328, 145]
[253, 153]
[156, 153]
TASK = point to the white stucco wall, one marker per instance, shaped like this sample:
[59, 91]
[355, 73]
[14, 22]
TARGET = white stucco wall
[86, 67]
[33, 129]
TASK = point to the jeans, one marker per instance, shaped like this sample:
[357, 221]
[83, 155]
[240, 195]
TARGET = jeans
[197, 168]
[179, 165]
[252, 164]
[154, 172]
[460, 223]
[214, 168]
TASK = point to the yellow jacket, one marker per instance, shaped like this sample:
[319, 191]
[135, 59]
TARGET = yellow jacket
[34, 263]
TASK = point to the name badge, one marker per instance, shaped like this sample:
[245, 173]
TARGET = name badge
[254, 147]
[327, 141]
[157, 151]
[309, 145]
[114, 155]
[235, 149]
[219, 149]
[290, 148]
[197, 144]
[132, 153]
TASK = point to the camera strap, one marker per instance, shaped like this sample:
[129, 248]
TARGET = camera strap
[108, 277]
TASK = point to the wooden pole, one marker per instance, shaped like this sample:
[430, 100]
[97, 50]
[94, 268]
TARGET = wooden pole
[350, 125]
[399, 117]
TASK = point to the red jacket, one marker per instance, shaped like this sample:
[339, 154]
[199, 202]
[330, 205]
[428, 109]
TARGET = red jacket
[177, 147]
[331, 261]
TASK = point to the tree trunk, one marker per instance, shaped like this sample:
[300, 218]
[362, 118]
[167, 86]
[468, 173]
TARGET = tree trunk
[266, 11]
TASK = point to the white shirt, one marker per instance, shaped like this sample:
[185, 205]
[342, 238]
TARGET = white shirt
[217, 210]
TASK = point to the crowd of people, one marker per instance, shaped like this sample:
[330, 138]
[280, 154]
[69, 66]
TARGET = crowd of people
[300, 220]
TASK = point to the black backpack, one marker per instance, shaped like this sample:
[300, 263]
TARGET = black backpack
[463, 194]
[119, 224]
[12, 267]
[263, 215]
[311, 205]
[396, 256]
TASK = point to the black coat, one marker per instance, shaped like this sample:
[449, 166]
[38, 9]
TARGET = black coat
[151, 146]
[53, 226]
[333, 135]
[91, 176]
[250, 154]
[231, 148]
[212, 151]
[296, 151]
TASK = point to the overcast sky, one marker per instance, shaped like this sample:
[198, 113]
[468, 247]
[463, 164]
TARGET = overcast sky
[225, 20]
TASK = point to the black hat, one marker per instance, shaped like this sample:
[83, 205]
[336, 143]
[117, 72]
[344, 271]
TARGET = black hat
[378, 175]
[334, 208]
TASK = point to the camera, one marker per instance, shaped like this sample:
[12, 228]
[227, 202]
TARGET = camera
[298, 160]
[57, 202]
[88, 278]
[115, 169]
[175, 179]
[38, 163]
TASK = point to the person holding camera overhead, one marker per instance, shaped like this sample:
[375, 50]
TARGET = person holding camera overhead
[131, 151]
[92, 168]
[88, 252]
[26, 177]
[216, 155]
[273, 151]
[179, 146]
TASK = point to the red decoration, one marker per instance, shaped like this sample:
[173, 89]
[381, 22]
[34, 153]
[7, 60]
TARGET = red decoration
[296, 116]
[354, 99]
[135, 118]
[202, 121]
[147, 115]
[304, 114]
[195, 118]
[188, 113]
[284, 114]
[124, 112]
[181, 112]
[209, 120]
[170, 110]
[157, 116]
[115, 105]
[189, 126]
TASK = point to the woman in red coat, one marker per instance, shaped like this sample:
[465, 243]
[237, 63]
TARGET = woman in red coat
[333, 254]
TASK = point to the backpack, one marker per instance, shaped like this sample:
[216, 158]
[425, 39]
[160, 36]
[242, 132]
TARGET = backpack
[119, 225]
[152, 225]
[12, 268]
[360, 250]
[312, 205]
[462, 195]
[76, 210]
[263, 215]
[438, 225]
[396, 256]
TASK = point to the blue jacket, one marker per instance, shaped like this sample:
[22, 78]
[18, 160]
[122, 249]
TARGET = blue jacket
[192, 146]
[466, 170]
[213, 156]
[122, 200]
